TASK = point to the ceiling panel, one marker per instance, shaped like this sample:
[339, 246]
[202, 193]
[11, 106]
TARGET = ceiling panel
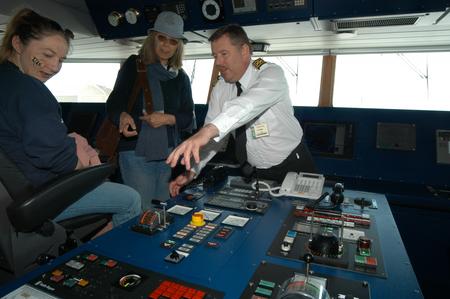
[288, 38]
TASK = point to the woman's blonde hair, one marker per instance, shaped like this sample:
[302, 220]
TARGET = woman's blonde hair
[148, 52]
[28, 25]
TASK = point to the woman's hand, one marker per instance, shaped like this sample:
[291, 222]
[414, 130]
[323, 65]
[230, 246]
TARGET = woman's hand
[126, 125]
[158, 119]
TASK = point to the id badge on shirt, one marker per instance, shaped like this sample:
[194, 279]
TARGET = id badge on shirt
[260, 130]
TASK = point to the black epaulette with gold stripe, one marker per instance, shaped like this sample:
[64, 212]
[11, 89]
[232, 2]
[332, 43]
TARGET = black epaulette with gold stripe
[258, 63]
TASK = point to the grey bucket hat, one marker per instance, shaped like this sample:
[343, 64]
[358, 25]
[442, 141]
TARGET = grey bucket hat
[169, 23]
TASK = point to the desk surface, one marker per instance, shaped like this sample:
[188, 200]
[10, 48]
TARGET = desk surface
[229, 267]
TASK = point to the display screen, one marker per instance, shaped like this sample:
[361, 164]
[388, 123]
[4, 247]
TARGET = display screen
[329, 139]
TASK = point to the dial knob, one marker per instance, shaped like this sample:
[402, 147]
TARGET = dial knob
[132, 15]
[115, 18]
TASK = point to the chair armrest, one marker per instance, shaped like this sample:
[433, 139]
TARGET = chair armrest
[51, 199]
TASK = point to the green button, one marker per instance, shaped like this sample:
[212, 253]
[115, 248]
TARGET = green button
[70, 282]
[360, 260]
[265, 283]
[365, 252]
[264, 292]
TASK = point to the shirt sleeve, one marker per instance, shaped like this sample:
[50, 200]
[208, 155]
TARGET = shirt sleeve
[266, 91]
[117, 101]
[44, 135]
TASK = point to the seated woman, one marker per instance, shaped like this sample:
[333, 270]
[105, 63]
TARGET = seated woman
[32, 132]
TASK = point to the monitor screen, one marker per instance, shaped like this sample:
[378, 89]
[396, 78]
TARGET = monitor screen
[329, 139]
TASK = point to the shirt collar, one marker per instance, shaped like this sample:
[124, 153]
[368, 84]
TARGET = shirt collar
[245, 79]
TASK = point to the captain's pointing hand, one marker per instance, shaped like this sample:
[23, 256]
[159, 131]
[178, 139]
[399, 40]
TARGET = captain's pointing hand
[191, 147]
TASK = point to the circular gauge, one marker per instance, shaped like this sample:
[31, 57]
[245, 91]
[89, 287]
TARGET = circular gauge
[115, 18]
[132, 15]
[130, 280]
[211, 10]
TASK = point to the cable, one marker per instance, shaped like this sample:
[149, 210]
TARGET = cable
[271, 189]
[268, 189]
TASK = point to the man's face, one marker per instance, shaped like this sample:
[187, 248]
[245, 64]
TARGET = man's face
[231, 60]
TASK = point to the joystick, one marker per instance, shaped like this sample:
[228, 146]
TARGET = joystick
[251, 205]
[325, 244]
[337, 197]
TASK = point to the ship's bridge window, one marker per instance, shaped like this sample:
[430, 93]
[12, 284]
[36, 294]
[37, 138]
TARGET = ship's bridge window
[84, 81]
[413, 81]
[302, 74]
[93, 82]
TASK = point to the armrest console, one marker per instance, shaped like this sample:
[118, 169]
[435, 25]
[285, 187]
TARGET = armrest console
[51, 199]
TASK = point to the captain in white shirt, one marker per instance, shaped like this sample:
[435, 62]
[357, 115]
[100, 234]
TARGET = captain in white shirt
[251, 101]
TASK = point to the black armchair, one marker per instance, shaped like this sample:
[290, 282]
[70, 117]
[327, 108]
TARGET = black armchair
[27, 230]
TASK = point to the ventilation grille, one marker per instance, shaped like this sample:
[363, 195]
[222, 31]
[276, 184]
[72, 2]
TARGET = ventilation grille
[363, 23]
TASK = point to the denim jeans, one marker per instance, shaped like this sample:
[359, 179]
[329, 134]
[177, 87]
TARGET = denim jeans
[120, 200]
[149, 178]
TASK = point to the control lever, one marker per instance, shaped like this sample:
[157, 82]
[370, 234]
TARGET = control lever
[313, 208]
[257, 183]
[162, 204]
[308, 259]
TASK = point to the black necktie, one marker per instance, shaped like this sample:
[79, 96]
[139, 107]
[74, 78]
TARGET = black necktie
[240, 138]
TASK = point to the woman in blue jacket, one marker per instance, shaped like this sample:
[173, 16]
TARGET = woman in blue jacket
[32, 132]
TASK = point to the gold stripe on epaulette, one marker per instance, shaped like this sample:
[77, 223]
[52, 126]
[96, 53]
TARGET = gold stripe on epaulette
[258, 63]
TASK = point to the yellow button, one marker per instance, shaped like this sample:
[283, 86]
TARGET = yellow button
[198, 219]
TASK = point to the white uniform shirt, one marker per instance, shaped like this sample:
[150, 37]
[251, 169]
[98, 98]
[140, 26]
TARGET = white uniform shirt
[265, 92]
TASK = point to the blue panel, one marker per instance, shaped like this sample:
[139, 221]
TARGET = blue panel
[194, 20]
[229, 267]
[368, 162]
[326, 9]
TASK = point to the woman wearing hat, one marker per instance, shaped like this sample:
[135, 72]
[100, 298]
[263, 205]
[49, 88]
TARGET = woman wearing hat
[149, 136]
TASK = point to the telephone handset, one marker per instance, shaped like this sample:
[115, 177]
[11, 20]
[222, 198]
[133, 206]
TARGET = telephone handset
[303, 184]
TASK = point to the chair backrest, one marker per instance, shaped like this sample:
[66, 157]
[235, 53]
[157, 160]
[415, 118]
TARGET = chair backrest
[12, 178]
[15, 255]
[24, 209]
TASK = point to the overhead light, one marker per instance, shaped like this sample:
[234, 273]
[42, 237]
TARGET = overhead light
[346, 34]
[260, 47]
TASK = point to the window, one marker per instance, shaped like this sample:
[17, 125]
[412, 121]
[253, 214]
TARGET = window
[414, 81]
[84, 82]
[302, 74]
[199, 71]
